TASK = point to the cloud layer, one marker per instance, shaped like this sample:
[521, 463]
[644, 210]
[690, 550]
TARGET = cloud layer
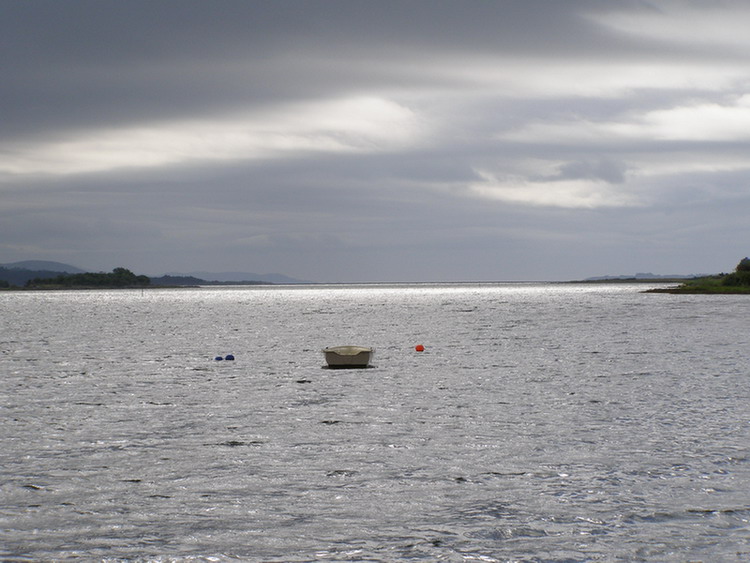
[359, 141]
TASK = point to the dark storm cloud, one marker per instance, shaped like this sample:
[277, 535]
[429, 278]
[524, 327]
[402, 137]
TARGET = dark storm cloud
[445, 140]
[97, 61]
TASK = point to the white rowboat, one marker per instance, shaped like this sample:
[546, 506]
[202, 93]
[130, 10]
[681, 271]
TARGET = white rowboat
[348, 356]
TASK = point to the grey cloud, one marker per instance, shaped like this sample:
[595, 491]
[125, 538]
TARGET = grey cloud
[471, 73]
[603, 169]
[85, 61]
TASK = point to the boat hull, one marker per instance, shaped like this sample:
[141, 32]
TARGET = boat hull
[342, 357]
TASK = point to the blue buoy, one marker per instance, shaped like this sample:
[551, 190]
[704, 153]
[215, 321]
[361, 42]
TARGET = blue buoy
[229, 357]
[218, 358]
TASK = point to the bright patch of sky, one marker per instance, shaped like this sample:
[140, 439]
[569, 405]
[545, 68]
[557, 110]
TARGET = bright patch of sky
[359, 125]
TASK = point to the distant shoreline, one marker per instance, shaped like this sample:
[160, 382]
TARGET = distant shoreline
[631, 280]
[688, 290]
[607, 281]
[94, 288]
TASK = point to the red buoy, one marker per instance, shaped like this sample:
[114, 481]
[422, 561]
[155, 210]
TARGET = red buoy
[419, 348]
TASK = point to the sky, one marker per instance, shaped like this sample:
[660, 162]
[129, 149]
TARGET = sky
[362, 141]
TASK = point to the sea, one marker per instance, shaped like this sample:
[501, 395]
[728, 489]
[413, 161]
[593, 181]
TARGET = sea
[542, 422]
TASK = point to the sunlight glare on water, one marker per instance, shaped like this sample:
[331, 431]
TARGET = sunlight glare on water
[542, 422]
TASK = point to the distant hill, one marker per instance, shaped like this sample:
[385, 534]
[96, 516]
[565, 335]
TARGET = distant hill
[179, 280]
[645, 276]
[18, 273]
[240, 277]
[43, 265]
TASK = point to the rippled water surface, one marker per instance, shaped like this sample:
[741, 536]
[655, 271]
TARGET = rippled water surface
[541, 423]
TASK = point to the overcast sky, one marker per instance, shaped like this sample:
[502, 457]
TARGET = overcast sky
[348, 140]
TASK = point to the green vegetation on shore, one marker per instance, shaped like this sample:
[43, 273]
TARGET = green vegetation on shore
[19, 279]
[736, 282]
[119, 278]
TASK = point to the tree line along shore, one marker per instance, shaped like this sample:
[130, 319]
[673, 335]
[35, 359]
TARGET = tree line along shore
[736, 282]
[119, 278]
